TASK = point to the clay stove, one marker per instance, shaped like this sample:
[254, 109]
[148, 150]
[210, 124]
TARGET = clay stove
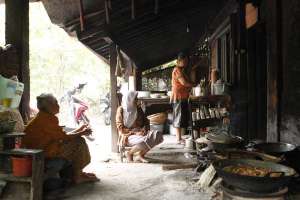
[231, 193]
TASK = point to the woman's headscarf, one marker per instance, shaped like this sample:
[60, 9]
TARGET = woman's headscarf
[129, 108]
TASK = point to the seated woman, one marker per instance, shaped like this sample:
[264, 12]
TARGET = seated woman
[133, 128]
[44, 132]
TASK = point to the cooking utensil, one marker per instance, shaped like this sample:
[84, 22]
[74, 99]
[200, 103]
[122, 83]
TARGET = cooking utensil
[223, 141]
[243, 154]
[274, 148]
[254, 183]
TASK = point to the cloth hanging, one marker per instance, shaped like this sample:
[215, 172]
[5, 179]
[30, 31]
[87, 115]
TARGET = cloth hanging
[129, 108]
[120, 66]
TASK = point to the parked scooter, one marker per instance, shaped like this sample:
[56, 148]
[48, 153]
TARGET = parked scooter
[105, 109]
[77, 106]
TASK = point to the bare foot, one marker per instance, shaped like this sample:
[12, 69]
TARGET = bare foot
[85, 179]
[181, 142]
[142, 159]
[129, 157]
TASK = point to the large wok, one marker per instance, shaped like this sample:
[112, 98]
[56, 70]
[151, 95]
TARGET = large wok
[252, 183]
[274, 148]
[222, 142]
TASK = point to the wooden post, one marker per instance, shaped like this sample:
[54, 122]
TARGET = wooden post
[17, 34]
[273, 68]
[138, 76]
[114, 98]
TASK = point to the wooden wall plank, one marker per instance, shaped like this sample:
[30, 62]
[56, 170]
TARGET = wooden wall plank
[273, 68]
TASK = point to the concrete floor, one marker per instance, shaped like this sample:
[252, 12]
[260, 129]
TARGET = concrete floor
[137, 181]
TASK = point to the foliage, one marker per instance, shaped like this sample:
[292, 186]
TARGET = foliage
[59, 62]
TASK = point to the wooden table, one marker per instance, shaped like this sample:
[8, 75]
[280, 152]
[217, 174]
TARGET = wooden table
[36, 180]
[155, 105]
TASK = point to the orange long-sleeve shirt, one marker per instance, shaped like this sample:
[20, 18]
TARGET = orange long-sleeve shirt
[44, 132]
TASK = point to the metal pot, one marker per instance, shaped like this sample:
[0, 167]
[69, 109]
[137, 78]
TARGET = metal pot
[254, 183]
[274, 148]
[222, 142]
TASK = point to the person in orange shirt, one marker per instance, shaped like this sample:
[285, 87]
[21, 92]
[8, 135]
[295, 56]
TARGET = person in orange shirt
[181, 87]
[43, 132]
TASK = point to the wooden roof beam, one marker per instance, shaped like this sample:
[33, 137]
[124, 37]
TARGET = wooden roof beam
[132, 9]
[156, 7]
[105, 47]
[97, 54]
[86, 16]
[81, 13]
[98, 31]
[106, 12]
[94, 40]
[97, 44]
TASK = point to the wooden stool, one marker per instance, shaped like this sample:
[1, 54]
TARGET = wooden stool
[36, 180]
[122, 151]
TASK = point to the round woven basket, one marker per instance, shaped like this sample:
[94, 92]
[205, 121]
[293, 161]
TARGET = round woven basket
[158, 118]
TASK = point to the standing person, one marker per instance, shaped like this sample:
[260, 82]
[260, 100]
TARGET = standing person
[181, 87]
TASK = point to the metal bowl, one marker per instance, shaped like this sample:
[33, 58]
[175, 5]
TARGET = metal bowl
[275, 148]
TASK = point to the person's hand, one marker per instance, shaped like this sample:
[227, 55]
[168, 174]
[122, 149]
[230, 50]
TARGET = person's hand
[141, 133]
[86, 131]
[82, 127]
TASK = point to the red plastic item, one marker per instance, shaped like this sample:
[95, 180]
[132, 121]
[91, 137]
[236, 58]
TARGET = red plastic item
[22, 166]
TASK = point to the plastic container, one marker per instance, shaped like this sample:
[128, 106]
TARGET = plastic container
[157, 127]
[22, 166]
[173, 132]
[11, 92]
[189, 143]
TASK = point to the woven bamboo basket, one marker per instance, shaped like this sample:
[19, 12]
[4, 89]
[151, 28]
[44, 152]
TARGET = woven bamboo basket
[158, 118]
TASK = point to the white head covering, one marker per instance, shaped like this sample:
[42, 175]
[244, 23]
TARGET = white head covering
[129, 108]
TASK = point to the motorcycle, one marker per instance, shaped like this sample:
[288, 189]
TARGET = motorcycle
[77, 107]
[106, 109]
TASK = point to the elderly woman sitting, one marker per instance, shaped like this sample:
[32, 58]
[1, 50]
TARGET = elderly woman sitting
[44, 132]
[133, 128]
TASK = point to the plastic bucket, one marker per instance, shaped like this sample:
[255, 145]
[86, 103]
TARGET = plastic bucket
[21, 166]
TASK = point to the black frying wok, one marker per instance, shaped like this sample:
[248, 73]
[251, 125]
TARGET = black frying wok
[275, 148]
[252, 183]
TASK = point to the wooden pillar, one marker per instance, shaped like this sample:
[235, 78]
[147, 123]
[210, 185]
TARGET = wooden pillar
[138, 76]
[17, 34]
[274, 65]
[114, 100]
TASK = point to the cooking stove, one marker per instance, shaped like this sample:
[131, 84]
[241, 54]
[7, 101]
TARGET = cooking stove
[231, 193]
